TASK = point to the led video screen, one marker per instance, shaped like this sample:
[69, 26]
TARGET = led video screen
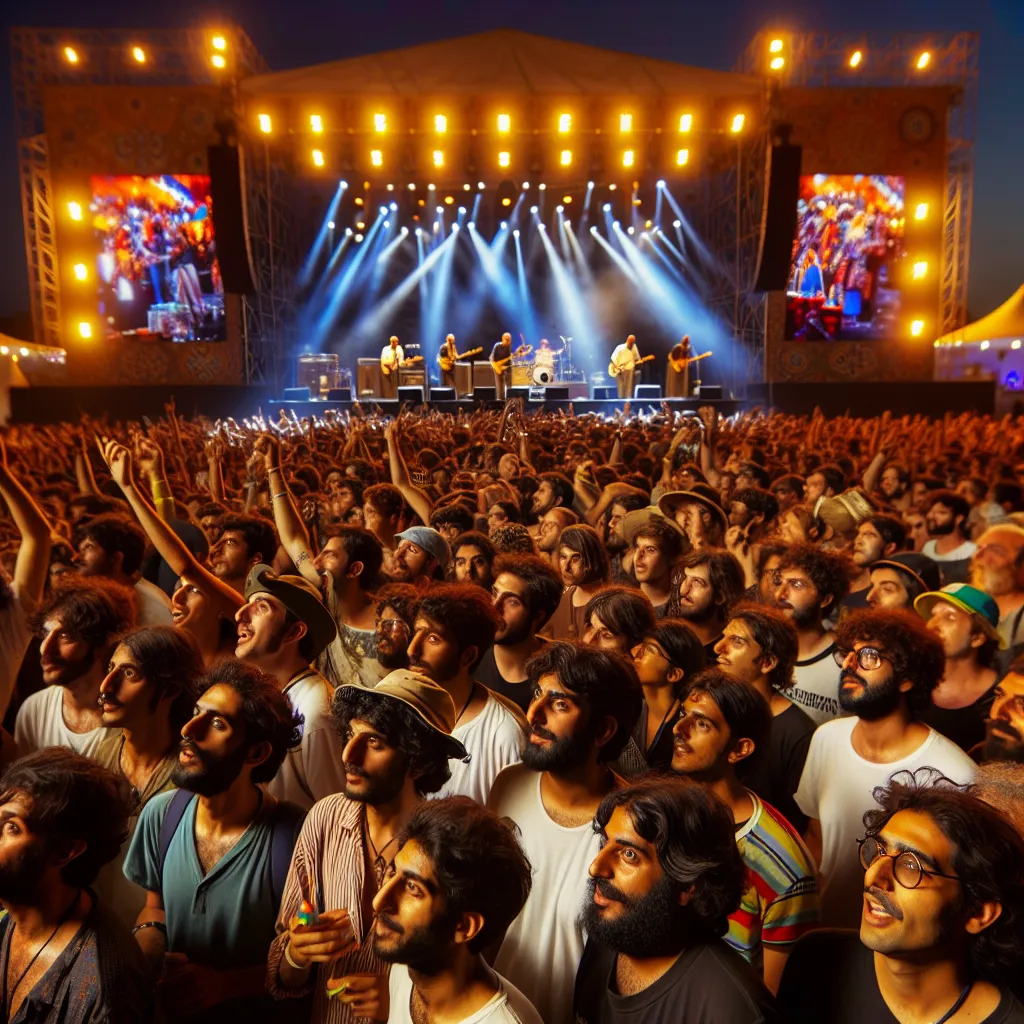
[157, 268]
[843, 283]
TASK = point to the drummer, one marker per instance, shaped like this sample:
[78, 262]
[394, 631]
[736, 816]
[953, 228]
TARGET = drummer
[544, 358]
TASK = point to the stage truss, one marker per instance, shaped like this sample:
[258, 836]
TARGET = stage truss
[819, 59]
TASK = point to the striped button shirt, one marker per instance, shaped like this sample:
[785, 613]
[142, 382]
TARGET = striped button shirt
[781, 900]
[329, 862]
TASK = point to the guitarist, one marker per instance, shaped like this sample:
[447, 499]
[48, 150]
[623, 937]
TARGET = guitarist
[391, 358]
[677, 374]
[625, 358]
[447, 358]
[501, 364]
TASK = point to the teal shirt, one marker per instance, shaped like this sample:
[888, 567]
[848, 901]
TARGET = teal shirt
[224, 919]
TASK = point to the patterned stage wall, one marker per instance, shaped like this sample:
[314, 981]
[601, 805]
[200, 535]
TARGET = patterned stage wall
[870, 131]
[115, 130]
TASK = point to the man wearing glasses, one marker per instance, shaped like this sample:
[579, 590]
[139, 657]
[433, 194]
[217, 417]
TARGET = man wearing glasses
[941, 926]
[889, 664]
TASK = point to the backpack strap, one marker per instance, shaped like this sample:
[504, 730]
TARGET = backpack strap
[288, 819]
[176, 808]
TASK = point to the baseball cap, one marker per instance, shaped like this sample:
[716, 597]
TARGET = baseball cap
[431, 702]
[968, 599]
[429, 540]
[912, 563]
[299, 597]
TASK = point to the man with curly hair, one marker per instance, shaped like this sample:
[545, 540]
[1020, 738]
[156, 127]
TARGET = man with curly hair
[890, 664]
[941, 917]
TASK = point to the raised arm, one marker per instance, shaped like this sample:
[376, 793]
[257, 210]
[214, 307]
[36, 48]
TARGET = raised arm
[33, 560]
[417, 499]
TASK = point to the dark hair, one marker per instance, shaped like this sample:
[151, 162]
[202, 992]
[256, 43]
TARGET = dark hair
[759, 501]
[477, 861]
[562, 486]
[890, 529]
[829, 571]
[725, 574]
[769, 549]
[352, 483]
[115, 533]
[210, 508]
[745, 711]
[403, 597]
[510, 508]
[695, 838]
[775, 635]
[956, 503]
[452, 515]
[386, 498]
[169, 659]
[267, 713]
[543, 584]
[666, 536]
[607, 681]
[512, 539]
[1006, 492]
[422, 747]
[915, 651]
[475, 539]
[791, 482]
[309, 476]
[759, 473]
[360, 546]
[584, 540]
[835, 478]
[93, 610]
[632, 500]
[987, 858]
[260, 536]
[682, 645]
[624, 611]
[99, 504]
[465, 611]
[901, 471]
[72, 798]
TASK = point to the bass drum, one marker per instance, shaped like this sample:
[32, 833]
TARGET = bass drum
[542, 375]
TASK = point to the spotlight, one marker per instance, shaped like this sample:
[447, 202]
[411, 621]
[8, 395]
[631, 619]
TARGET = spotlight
[318, 158]
[564, 122]
[387, 223]
[81, 271]
[504, 158]
[685, 123]
[629, 230]
[677, 224]
[4, 350]
[219, 43]
[358, 200]
[85, 329]
[405, 231]
[628, 158]
[777, 63]
[266, 125]
[504, 123]
[384, 210]
[343, 184]
[515, 234]
[419, 232]
[411, 186]
[542, 226]
[359, 238]
[533, 209]
[625, 123]
[855, 58]
[462, 210]
[471, 226]
[920, 270]
[612, 187]
[917, 328]
[467, 187]
[440, 209]
[682, 157]
[348, 232]
[75, 210]
[541, 187]
[568, 223]
[439, 158]
[455, 228]
[647, 224]
[506, 201]
[983, 346]
[921, 211]
[559, 209]
[661, 183]
[526, 185]
[593, 229]
[70, 54]
[316, 124]
[138, 55]
[391, 188]
[643, 234]
[567, 200]
[330, 225]
[481, 186]
[218, 61]
[775, 46]
[448, 200]
[360, 224]
[393, 206]
[737, 123]
[440, 124]
[566, 157]
[380, 122]
[924, 60]
[376, 157]
[1015, 344]
[607, 207]
[590, 184]
[504, 225]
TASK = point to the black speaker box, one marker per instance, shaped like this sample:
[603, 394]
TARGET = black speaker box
[296, 394]
[227, 190]
[339, 395]
[778, 218]
[708, 391]
[482, 394]
[556, 393]
[411, 393]
[647, 392]
[602, 391]
[439, 394]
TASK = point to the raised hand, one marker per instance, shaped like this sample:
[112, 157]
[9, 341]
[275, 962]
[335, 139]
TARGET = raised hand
[270, 448]
[119, 461]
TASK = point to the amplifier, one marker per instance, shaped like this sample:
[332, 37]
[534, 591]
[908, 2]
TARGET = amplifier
[439, 394]
[647, 392]
[339, 395]
[482, 394]
[602, 391]
[296, 394]
[708, 391]
[412, 393]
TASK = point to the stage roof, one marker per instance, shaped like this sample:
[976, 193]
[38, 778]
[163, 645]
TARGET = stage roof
[502, 62]
[1005, 321]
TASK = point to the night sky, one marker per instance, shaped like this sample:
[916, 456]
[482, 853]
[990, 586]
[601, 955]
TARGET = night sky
[291, 33]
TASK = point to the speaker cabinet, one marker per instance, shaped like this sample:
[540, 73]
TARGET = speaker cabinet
[227, 190]
[778, 218]
[296, 394]
[339, 395]
[647, 392]
[411, 393]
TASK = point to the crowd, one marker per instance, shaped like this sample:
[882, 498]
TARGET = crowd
[506, 718]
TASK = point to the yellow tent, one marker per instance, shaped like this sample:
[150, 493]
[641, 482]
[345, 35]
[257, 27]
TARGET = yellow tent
[1006, 321]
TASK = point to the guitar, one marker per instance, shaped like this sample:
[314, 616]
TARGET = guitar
[447, 364]
[499, 366]
[614, 371]
[678, 364]
[411, 361]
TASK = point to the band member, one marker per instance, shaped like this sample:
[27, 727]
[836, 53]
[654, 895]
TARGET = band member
[677, 374]
[446, 358]
[545, 356]
[501, 363]
[391, 358]
[625, 359]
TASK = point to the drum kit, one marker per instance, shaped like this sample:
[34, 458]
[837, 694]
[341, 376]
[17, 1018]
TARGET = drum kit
[546, 366]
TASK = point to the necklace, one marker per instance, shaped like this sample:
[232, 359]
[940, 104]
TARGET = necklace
[959, 1002]
[469, 700]
[9, 1000]
[377, 861]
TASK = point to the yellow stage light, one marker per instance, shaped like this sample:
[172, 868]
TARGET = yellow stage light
[316, 124]
[778, 63]
[504, 158]
[439, 158]
[566, 157]
[682, 157]
[359, 200]
[737, 123]
[924, 60]
[612, 187]
[440, 124]
[449, 200]
[625, 123]
[266, 125]
[81, 271]
[361, 224]
[380, 122]
[218, 61]
[855, 58]
[917, 328]
[627, 158]
[566, 199]
[504, 124]
[920, 271]
[219, 43]
[376, 157]
[685, 123]
[775, 46]
[506, 201]
[70, 54]
[138, 54]
[75, 210]
[85, 329]
[318, 158]
[4, 350]
[564, 122]
[921, 211]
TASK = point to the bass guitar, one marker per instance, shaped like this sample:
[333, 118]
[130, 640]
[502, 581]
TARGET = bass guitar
[678, 364]
[411, 361]
[447, 363]
[614, 371]
[499, 366]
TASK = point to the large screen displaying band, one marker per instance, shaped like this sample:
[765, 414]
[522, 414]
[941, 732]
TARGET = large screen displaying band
[157, 258]
[849, 241]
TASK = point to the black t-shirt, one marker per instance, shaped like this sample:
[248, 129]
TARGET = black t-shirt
[708, 984]
[964, 726]
[830, 977]
[157, 571]
[776, 777]
[502, 350]
[516, 691]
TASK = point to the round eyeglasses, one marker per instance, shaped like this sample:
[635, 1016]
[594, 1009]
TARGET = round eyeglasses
[906, 866]
[869, 658]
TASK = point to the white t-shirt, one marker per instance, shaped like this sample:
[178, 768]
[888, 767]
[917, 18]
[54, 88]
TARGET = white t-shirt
[958, 554]
[816, 686]
[15, 636]
[154, 606]
[625, 358]
[392, 358]
[543, 945]
[40, 723]
[493, 740]
[508, 1006]
[837, 787]
[314, 768]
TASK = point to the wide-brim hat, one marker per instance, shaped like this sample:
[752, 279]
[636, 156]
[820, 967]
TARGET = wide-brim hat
[634, 522]
[701, 494]
[976, 603]
[299, 597]
[918, 567]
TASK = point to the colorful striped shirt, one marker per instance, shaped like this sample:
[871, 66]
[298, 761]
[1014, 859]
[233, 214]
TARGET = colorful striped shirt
[781, 900]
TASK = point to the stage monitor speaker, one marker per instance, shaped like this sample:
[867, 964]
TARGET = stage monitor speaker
[778, 217]
[603, 392]
[297, 394]
[227, 190]
[439, 394]
[484, 394]
[412, 393]
[708, 391]
[647, 392]
[521, 391]
[339, 395]
[556, 393]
